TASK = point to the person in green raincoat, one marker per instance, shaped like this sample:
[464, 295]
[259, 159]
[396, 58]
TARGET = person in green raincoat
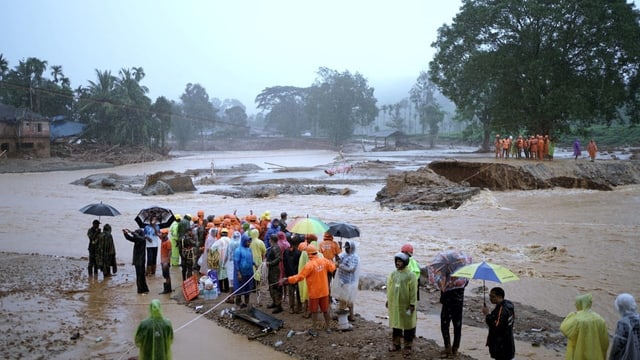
[402, 290]
[173, 236]
[586, 332]
[154, 335]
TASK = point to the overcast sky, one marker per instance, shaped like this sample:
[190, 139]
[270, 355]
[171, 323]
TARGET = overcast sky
[234, 48]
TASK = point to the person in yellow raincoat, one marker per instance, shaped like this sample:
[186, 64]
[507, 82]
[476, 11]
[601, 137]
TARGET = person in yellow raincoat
[402, 290]
[586, 332]
[154, 335]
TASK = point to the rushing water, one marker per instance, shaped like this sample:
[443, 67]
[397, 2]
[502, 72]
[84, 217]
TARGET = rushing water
[561, 242]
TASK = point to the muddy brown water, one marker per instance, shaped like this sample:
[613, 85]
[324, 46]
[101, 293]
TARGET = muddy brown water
[594, 234]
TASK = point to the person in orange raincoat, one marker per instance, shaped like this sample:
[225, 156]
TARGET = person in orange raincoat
[592, 149]
[315, 272]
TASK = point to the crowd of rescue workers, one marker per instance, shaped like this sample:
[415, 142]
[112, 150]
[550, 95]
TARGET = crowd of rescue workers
[313, 275]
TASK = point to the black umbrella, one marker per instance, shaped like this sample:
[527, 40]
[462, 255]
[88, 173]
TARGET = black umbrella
[343, 230]
[100, 209]
[165, 217]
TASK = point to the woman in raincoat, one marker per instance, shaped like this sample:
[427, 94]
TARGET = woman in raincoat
[345, 285]
[586, 332]
[154, 335]
[217, 259]
[243, 266]
[402, 290]
[626, 341]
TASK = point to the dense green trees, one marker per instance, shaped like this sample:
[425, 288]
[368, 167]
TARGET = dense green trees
[26, 86]
[539, 66]
[331, 107]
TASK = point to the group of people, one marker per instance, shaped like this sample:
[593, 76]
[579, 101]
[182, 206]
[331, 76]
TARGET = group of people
[536, 147]
[102, 250]
[402, 301]
[586, 331]
[587, 334]
[242, 251]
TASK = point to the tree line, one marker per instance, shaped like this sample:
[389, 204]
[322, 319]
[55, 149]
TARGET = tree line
[509, 66]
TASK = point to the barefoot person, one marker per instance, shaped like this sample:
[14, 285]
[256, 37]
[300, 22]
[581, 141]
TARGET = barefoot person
[402, 290]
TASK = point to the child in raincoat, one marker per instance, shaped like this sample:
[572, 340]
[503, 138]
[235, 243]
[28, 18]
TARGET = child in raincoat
[586, 332]
[154, 335]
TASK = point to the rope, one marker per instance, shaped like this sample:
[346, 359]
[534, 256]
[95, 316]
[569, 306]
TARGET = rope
[201, 315]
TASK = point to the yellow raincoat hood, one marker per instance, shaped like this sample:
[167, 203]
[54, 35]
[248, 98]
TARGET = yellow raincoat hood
[586, 331]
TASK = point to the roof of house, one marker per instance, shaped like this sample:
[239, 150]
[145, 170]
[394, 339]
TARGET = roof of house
[389, 133]
[10, 113]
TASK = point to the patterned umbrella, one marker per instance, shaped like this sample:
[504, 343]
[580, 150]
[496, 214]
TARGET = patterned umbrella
[444, 265]
[165, 217]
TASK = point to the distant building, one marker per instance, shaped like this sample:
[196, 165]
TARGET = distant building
[392, 138]
[23, 133]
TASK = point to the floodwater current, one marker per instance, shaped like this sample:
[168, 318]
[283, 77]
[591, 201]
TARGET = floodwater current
[561, 242]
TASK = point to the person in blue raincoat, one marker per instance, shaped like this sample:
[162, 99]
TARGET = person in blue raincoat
[243, 267]
[586, 331]
[402, 290]
[154, 335]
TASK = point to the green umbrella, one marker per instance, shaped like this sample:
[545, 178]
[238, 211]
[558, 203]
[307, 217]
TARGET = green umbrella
[308, 225]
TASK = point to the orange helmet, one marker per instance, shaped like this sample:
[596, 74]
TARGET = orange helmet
[407, 248]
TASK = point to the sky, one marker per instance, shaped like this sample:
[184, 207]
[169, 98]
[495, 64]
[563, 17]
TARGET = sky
[234, 49]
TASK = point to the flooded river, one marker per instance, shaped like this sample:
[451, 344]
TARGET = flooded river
[561, 242]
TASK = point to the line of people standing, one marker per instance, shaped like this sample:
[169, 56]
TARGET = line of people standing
[536, 147]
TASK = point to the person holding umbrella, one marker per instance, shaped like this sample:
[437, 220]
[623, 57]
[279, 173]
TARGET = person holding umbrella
[92, 234]
[451, 295]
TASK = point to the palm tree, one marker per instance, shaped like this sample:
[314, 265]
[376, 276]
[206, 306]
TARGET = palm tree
[56, 71]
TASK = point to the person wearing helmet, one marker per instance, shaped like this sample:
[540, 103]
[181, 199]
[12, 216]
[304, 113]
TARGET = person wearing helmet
[402, 287]
[414, 267]
[316, 271]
